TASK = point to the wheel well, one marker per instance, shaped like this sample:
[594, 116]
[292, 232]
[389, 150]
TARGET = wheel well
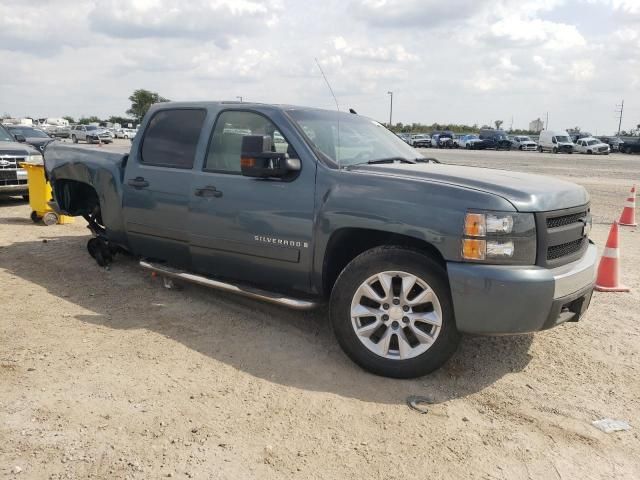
[77, 198]
[347, 243]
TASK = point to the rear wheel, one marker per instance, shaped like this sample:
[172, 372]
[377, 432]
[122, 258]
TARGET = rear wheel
[391, 312]
[540, 149]
[627, 150]
[74, 139]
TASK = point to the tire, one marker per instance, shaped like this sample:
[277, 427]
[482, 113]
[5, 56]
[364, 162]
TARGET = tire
[74, 139]
[540, 149]
[589, 152]
[555, 149]
[34, 217]
[468, 146]
[438, 343]
[25, 197]
[520, 148]
[627, 150]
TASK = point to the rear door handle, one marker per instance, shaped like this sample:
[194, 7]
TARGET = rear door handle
[208, 192]
[138, 182]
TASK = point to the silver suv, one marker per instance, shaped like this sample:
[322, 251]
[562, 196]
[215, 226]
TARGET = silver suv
[90, 134]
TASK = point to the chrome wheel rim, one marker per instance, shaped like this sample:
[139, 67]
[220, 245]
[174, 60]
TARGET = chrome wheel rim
[396, 315]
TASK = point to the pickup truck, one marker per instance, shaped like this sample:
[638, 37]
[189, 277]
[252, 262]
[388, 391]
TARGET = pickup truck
[13, 178]
[408, 253]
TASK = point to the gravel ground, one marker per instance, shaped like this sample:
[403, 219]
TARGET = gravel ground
[105, 374]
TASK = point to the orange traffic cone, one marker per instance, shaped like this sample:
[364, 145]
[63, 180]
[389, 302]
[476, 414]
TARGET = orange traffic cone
[608, 279]
[628, 216]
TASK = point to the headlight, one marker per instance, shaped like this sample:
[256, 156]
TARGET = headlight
[494, 237]
[37, 159]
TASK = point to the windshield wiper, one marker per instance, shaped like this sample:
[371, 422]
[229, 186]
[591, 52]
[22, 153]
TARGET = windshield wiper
[390, 160]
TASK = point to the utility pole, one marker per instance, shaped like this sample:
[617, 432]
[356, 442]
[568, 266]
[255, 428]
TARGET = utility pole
[239, 98]
[621, 109]
[547, 124]
[390, 109]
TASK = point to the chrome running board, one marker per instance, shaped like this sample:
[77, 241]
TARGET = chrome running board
[227, 287]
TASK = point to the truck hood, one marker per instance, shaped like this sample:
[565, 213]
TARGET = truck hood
[17, 149]
[526, 192]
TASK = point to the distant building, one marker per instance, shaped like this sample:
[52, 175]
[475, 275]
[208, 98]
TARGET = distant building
[536, 125]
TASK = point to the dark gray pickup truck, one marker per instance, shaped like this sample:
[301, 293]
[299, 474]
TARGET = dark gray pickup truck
[299, 206]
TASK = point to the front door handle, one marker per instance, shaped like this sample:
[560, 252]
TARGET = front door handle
[138, 182]
[208, 192]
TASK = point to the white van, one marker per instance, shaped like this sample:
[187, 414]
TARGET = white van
[555, 141]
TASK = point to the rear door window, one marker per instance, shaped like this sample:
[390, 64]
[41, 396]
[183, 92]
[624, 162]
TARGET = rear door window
[171, 138]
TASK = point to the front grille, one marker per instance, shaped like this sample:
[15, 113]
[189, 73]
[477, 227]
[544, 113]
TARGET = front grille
[603, 149]
[565, 219]
[12, 162]
[561, 235]
[565, 249]
[8, 174]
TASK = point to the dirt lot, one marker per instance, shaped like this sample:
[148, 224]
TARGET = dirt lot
[105, 374]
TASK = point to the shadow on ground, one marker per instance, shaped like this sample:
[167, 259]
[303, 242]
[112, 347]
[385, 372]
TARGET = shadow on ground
[269, 342]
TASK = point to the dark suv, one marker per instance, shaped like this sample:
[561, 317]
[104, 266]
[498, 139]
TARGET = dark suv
[497, 139]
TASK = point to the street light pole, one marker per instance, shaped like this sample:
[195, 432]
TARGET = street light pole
[390, 108]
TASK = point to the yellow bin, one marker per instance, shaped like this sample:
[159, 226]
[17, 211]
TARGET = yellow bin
[40, 195]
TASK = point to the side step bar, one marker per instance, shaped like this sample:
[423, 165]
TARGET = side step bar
[227, 287]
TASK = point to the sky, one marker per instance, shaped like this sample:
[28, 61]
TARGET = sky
[446, 61]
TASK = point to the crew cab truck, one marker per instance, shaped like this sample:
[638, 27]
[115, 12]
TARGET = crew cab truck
[408, 253]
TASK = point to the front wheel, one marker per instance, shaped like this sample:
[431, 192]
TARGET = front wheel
[392, 314]
[74, 139]
[555, 149]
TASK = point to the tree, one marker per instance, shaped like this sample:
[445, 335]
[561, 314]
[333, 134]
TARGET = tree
[141, 101]
[88, 120]
[498, 123]
[124, 121]
[69, 119]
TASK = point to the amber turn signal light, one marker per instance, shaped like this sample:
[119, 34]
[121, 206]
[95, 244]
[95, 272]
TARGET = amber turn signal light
[473, 249]
[475, 225]
[247, 162]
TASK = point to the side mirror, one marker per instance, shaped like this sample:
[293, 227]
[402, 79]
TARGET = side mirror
[258, 160]
[20, 138]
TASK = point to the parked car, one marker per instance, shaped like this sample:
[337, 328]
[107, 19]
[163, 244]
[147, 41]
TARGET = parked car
[59, 131]
[471, 142]
[405, 137]
[33, 136]
[497, 139]
[523, 142]
[442, 139]
[556, 141]
[591, 145]
[400, 285]
[631, 146]
[420, 140]
[90, 134]
[13, 178]
[126, 133]
[615, 143]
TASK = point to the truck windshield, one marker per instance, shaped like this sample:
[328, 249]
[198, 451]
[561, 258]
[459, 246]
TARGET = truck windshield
[347, 139]
[563, 139]
[4, 135]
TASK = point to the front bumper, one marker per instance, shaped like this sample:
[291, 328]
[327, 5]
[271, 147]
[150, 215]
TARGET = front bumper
[497, 299]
